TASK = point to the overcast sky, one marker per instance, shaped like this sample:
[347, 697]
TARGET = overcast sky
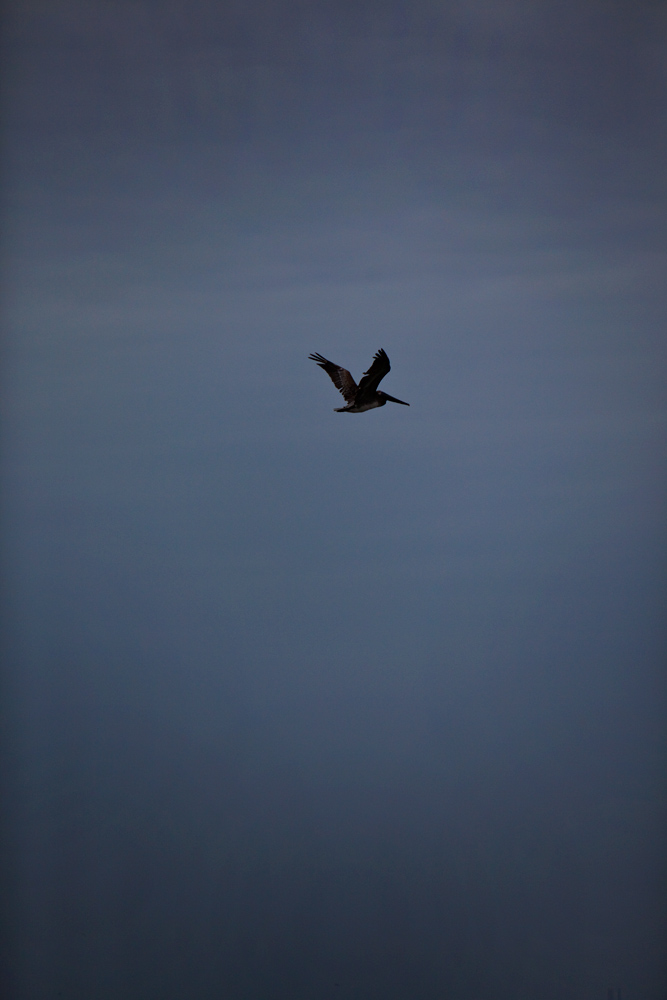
[318, 706]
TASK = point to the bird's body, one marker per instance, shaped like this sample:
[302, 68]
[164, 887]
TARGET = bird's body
[366, 395]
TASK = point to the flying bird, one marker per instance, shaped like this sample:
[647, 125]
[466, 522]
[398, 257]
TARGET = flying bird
[366, 395]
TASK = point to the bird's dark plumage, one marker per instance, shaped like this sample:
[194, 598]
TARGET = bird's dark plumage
[366, 395]
[340, 377]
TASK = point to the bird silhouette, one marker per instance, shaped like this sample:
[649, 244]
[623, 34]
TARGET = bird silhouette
[366, 395]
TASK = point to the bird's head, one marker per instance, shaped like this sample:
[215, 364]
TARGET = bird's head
[386, 398]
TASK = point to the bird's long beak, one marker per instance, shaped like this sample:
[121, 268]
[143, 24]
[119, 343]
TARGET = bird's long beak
[390, 399]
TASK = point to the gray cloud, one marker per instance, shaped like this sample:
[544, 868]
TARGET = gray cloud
[299, 699]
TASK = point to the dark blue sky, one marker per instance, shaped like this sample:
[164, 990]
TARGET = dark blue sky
[307, 705]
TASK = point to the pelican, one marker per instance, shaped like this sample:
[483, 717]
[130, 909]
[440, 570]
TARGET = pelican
[366, 395]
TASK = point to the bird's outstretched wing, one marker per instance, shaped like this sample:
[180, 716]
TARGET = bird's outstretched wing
[340, 377]
[377, 371]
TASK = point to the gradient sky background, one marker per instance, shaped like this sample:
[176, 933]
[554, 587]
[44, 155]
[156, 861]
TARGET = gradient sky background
[310, 706]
